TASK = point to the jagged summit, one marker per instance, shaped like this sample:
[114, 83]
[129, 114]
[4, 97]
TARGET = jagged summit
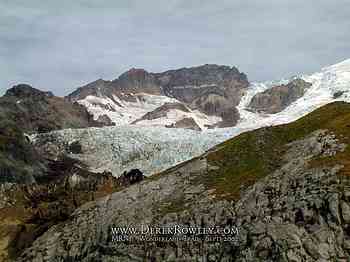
[134, 72]
[203, 74]
[186, 76]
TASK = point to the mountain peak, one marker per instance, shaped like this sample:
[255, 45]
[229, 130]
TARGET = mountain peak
[209, 68]
[134, 70]
[134, 73]
[25, 90]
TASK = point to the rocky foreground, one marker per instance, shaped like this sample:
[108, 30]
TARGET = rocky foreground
[38, 191]
[285, 189]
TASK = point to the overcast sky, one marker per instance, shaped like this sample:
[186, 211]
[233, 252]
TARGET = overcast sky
[60, 45]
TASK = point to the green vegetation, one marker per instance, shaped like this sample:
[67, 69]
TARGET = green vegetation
[253, 155]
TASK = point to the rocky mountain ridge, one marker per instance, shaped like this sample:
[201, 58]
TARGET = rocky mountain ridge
[36, 111]
[141, 81]
[183, 86]
[210, 89]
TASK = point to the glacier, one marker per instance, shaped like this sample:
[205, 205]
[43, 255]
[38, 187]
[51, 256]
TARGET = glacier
[154, 149]
[118, 149]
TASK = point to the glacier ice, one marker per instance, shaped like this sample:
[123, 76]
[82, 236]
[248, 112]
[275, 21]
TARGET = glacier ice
[149, 149]
[153, 149]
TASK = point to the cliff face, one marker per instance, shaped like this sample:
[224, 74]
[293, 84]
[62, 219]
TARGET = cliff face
[284, 188]
[36, 111]
[189, 84]
[277, 98]
[137, 81]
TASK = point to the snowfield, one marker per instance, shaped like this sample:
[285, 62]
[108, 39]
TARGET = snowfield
[122, 112]
[153, 149]
[325, 85]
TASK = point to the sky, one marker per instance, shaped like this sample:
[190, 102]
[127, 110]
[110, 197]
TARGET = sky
[61, 45]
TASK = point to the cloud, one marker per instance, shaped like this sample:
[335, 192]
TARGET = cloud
[59, 45]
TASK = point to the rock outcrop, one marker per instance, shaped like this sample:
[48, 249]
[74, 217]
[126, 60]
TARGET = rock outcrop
[277, 98]
[105, 120]
[162, 111]
[284, 190]
[187, 123]
[132, 177]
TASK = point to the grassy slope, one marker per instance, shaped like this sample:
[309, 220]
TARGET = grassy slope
[253, 155]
